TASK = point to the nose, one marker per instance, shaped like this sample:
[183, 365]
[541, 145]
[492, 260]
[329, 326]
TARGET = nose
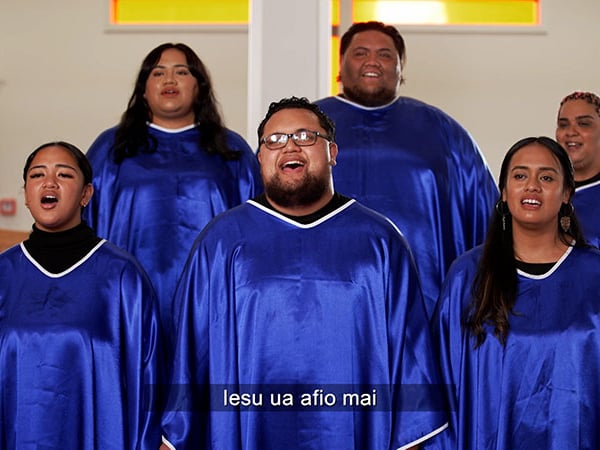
[291, 145]
[373, 60]
[571, 130]
[49, 182]
[170, 77]
[533, 185]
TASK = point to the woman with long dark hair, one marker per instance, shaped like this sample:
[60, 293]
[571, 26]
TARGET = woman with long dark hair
[518, 322]
[168, 168]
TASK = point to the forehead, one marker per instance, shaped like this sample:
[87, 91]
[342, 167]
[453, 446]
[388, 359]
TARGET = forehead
[372, 39]
[534, 156]
[578, 107]
[172, 56]
[292, 119]
[54, 154]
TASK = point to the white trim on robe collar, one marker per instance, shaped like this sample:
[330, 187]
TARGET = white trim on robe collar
[297, 224]
[64, 272]
[585, 186]
[171, 130]
[552, 270]
[367, 108]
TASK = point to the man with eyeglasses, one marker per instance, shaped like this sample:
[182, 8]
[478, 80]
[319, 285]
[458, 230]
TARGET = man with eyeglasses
[407, 159]
[301, 322]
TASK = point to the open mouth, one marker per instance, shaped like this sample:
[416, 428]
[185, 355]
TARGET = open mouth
[292, 165]
[49, 199]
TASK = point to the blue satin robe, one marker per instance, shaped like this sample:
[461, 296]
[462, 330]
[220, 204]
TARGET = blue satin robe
[79, 354]
[154, 205]
[542, 389]
[419, 167]
[587, 203]
[268, 304]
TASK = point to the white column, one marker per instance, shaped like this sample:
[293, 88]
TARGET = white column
[289, 45]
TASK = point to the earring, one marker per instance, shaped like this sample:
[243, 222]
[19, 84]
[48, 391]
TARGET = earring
[566, 210]
[502, 210]
[565, 223]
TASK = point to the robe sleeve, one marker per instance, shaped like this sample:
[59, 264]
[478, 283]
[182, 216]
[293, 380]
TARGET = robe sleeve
[142, 357]
[475, 192]
[449, 340]
[417, 397]
[185, 419]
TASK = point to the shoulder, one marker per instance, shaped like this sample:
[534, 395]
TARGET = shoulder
[234, 137]
[327, 101]
[233, 221]
[589, 256]
[102, 144]
[467, 264]
[236, 142]
[591, 190]
[421, 108]
[117, 258]
[105, 137]
[225, 232]
[456, 290]
[369, 222]
[371, 217]
[8, 256]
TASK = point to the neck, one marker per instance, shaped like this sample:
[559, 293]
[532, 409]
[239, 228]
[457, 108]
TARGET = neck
[533, 246]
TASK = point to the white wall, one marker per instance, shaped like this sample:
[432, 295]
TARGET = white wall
[287, 57]
[63, 76]
[504, 87]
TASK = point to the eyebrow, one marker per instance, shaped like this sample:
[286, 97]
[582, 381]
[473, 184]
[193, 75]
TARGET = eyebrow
[44, 166]
[541, 169]
[585, 116]
[376, 49]
[162, 66]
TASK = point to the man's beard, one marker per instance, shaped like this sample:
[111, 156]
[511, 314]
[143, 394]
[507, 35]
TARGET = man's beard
[305, 192]
[380, 97]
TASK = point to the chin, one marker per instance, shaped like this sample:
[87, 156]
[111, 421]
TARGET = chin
[373, 97]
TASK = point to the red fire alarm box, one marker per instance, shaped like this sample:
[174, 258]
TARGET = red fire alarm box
[8, 206]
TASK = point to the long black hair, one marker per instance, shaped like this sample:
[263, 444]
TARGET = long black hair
[132, 133]
[495, 285]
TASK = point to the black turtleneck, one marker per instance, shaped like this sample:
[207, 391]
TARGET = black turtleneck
[534, 268]
[58, 251]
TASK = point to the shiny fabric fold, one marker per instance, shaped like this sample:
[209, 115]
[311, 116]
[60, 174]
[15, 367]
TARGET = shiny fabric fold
[268, 304]
[155, 204]
[542, 389]
[416, 165]
[586, 202]
[79, 354]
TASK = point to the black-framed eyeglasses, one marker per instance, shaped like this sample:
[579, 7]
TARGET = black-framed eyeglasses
[302, 138]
